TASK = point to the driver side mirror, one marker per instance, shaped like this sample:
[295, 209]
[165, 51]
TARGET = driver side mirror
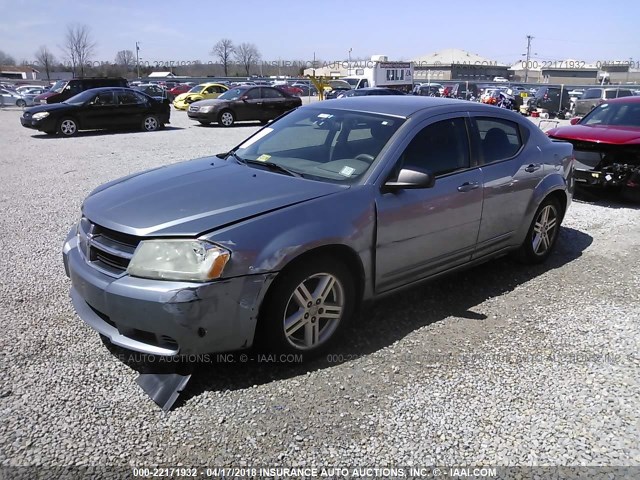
[575, 120]
[411, 178]
[244, 98]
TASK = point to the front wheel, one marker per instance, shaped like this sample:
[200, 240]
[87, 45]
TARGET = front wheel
[226, 118]
[150, 123]
[21, 103]
[67, 127]
[308, 306]
[543, 233]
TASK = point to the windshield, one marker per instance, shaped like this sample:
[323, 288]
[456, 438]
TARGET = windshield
[618, 114]
[196, 89]
[80, 98]
[58, 86]
[232, 94]
[323, 144]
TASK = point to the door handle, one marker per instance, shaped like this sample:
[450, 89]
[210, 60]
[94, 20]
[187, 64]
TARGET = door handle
[468, 186]
[532, 168]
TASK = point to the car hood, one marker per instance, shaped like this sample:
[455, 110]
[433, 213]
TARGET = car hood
[616, 135]
[45, 95]
[50, 107]
[191, 198]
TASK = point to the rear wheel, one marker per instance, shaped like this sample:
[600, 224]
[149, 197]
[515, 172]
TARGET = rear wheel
[226, 118]
[67, 127]
[150, 123]
[21, 103]
[543, 233]
[307, 307]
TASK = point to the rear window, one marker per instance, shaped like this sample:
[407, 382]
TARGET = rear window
[592, 93]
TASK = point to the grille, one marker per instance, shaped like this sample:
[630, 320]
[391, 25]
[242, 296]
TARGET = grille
[107, 250]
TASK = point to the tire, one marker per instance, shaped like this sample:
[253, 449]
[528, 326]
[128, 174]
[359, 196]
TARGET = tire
[226, 118]
[67, 127]
[310, 331]
[204, 122]
[543, 233]
[21, 103]
[150, 123]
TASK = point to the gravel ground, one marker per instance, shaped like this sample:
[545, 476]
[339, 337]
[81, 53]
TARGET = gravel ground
[499, 365]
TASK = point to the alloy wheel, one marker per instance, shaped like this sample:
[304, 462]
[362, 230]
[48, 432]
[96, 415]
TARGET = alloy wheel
[544, 230]
[314, 311]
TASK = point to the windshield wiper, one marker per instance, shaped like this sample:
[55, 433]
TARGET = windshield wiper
[274, 167]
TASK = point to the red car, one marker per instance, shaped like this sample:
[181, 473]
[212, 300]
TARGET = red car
[179, 89]
[295, 91]
[606, 145]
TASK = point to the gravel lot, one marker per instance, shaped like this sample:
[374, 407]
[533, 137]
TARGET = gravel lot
[499, 365]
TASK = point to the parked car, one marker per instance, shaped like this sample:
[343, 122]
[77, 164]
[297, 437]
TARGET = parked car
[152, 90]
[337, 203]
[199, 92]
[307, 89]
[464, 91]
[363, 92]
[65, 89]
[593, 97]
[289, 89]
[98, 108]
[180, 89]
[9, 97]
[243, 103]
[427, 89]
[335, 87]
[607, 146]
[25, 89]
[548, 98]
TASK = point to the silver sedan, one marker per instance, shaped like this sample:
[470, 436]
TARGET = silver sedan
[336, 203]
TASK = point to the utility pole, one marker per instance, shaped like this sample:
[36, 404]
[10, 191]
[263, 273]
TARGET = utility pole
[526, 64]
[138, 59]
[349, 64]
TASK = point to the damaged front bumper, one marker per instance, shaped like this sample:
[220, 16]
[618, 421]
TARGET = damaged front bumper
[165, 318]
[614, 175]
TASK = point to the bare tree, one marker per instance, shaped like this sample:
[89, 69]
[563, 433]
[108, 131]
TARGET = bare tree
[78, 46]
[126, 58]
[45, 60]
[223, 50]
[6, 59]
[247, 54]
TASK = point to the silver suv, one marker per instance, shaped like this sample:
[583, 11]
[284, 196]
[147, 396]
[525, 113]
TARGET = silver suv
[595, 96]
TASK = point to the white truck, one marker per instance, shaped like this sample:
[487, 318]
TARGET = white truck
[380, 72]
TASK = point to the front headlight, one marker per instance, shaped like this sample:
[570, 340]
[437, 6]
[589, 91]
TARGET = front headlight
[205, 109]
[40, 115]
[189, 260]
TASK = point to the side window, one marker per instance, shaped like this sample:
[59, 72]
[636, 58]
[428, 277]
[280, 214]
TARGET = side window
[253, 93]
[104, 98]
[75, 87]
[499, 139]
[624, 93]
[129, 98]
[592, 93]
[365, 83]
[441, 147]
[271, 93]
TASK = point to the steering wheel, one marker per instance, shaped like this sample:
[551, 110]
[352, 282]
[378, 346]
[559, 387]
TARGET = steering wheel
[365, 157]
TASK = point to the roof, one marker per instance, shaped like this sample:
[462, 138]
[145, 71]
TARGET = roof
[451, 56]
[15, 69]
[160, 74]
[400, 105]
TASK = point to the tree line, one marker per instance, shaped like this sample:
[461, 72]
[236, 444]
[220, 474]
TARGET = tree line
[78, 50]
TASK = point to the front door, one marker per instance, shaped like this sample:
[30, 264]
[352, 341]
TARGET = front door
[425, 231]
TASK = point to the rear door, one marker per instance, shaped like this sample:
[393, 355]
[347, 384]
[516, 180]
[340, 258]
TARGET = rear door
[511, 169]
[100, 112]
[131, 107]
[274, 103]
[425, 231]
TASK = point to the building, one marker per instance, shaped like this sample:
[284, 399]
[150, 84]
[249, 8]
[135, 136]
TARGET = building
[456, 64]
[18, 73]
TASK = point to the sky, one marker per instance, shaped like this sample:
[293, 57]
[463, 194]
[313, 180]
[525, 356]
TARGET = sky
[294, 30]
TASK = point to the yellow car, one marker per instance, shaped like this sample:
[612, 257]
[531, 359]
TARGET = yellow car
[199, 92]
